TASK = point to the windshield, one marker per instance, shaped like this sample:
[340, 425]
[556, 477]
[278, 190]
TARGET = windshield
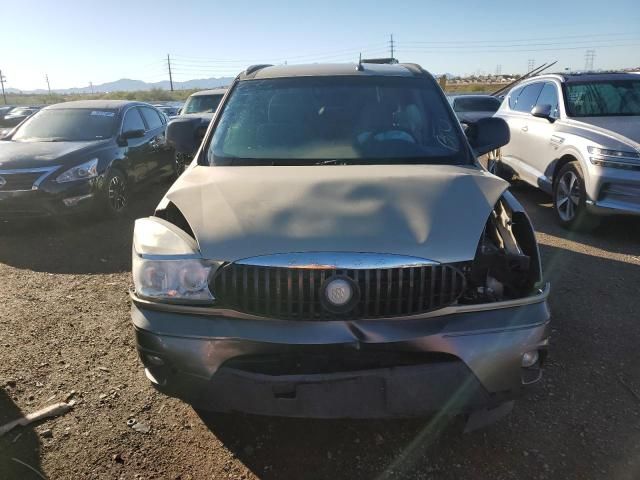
[69, 125]
[476, 104]
[348, 119]
[202, 103]
[603, 99]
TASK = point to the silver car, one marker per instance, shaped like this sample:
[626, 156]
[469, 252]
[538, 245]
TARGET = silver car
[576, 137]
[335, 250]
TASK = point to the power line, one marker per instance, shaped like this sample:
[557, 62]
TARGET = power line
[563, 37]
[435, 49]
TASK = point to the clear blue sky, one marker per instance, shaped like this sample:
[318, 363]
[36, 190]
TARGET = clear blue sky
[78, 42]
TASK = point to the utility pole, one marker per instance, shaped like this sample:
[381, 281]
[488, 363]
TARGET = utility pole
[391, 45]
[2, 80]
[91, 86]
[588, 60]
[170, 76]
[48, 86]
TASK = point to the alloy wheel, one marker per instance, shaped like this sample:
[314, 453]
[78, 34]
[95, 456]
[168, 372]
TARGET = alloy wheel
[568, 196]
[117, 194]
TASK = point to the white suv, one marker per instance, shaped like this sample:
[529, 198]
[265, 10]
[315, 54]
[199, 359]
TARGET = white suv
[576, 137]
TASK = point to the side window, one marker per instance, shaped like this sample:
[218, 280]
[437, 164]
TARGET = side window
[132, 121]
[549, 96]
[513, 98]
[152, 118]
[528, 97]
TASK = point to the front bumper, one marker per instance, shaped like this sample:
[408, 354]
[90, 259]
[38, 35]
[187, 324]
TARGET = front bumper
[613, 191]
[62, 199]
[461, 361]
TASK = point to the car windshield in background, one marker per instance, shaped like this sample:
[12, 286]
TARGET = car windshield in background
[348, 119]
[476, 104]
[601, 99]
[202, 103]
[68, 125]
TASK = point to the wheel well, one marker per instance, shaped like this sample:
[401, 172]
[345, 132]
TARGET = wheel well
[562, 161]
[119, 165]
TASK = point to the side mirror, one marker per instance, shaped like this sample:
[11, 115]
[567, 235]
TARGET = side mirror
[488, 134]
[542, 111]
[132, 134]
[184, 134]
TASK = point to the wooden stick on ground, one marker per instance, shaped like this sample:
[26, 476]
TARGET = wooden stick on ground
[46, 412]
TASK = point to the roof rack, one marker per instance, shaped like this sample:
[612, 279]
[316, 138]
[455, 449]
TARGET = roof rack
[380, 61]
[254, 68]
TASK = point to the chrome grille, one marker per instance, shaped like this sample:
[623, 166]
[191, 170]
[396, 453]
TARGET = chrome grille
[295, 293]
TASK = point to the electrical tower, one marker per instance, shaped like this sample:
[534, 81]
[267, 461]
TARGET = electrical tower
[170, 76]
[48, 86]
[588, 60]
[530, 64]
[2, 80]
[498, 69]
[391, 47]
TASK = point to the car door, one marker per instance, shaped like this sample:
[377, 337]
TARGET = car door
[514, 120]
[159, 158]
[537, 145]
[136, 148]
[519, 147]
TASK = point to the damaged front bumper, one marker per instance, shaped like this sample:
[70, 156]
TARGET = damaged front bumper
[457, 359]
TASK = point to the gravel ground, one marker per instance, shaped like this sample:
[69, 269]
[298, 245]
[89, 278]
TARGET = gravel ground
[65, 332]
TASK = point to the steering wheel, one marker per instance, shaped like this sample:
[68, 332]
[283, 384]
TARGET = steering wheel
[372, 138]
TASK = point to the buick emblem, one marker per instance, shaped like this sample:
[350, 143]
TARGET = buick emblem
[3, 182]
[339, 294]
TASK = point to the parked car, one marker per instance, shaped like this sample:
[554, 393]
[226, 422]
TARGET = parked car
[335, 251]
[5, 109]
[195, 116]
[471, 108]
[577, 137]
[17, 115]
[83, 155]
[169, 110]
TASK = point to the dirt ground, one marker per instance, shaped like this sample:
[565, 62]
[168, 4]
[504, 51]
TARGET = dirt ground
[64, 328]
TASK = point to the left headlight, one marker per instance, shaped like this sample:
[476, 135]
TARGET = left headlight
[167, 266]
[84, 171]
[614, 158]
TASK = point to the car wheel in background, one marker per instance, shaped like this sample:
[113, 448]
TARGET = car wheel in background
[115, 193]
[180, 163]
[570, 199]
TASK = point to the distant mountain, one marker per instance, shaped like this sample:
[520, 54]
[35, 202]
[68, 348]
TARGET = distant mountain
[129, 85]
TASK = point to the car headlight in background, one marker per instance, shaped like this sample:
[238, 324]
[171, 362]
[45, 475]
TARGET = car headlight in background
[614, 158]
[167, 266]
[84, 171]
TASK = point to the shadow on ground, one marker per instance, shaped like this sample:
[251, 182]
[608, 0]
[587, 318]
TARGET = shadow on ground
[619, 234]
[19, 445]
[76, 245]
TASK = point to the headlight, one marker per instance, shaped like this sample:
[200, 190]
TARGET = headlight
[80, 172]
[167, 265]
[179, 281]
[614, 158]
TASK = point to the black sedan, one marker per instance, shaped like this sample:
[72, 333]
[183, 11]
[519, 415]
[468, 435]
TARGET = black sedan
[17, 115]
[79, 156]
[471, 108]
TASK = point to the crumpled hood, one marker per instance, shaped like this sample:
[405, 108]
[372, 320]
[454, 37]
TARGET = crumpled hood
[430, 211]
[41, 154]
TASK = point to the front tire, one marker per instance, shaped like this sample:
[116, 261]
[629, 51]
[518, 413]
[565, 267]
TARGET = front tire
[570, 199]
[115, 195]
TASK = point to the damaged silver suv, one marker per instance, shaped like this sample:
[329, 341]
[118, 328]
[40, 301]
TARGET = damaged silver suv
[336, 251]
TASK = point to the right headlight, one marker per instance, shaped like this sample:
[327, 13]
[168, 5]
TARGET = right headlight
[614, 158]
[167, 266]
